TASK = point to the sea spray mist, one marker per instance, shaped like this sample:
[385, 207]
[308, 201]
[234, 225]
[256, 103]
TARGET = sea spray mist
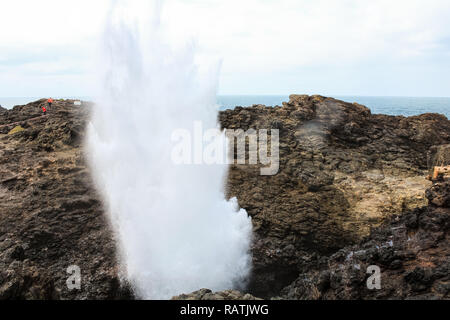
[175, 230]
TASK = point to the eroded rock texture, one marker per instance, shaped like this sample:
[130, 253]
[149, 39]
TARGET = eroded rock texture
[342, 172]
[50, 215]
[412, 251]
[206, 294]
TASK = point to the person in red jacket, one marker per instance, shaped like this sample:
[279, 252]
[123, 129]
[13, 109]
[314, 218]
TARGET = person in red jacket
[50, 101]
[44, 110]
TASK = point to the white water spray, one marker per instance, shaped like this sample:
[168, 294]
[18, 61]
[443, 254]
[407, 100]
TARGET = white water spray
[176, 232]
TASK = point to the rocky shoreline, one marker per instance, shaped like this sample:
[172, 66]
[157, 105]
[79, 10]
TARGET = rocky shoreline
[343, 171]
[351, 192]
[50, 214]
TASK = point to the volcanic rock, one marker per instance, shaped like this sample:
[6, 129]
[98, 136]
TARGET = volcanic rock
[343, 171]
[206, 294]
[351, 192]
[412, 251]
[50, 214]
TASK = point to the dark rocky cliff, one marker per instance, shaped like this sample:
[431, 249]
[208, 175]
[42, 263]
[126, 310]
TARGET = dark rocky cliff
[342, 172]
[348, 181]
[50, 215]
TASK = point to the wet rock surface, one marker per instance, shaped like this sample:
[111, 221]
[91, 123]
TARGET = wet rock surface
[412, 251]
[350, 192]
[50, 215]
[206, 294]
[343, 171]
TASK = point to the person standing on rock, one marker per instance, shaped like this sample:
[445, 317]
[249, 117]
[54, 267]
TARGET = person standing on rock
[44, 110]
[49, 101]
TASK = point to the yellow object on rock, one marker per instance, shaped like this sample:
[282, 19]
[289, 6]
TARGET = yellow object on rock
[16, 129]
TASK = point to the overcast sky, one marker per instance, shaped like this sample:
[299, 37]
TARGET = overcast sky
[329, 47]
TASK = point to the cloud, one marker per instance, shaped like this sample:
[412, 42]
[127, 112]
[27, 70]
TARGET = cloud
[326, 46]
[272, 34]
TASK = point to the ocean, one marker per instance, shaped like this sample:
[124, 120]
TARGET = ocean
[406, 106]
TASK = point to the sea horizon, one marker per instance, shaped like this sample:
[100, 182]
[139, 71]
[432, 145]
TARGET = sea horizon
[391, 105]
